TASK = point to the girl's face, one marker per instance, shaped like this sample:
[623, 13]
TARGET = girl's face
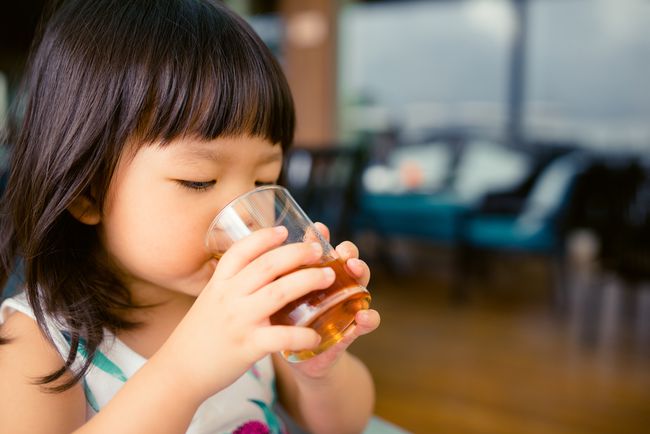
[161, 202]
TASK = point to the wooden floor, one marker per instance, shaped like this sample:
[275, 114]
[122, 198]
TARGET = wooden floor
[504, 362]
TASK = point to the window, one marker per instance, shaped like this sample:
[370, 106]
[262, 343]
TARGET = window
[588, 71]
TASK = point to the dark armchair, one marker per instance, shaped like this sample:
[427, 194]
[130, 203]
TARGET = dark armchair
[537, 226]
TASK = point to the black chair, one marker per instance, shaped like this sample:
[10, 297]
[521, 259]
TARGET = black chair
[631, 260]
[613, 205]
[608, 202]
[626, 242]
[324, 180]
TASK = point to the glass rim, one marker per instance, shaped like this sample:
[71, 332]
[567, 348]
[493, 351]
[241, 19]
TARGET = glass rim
[242, 197]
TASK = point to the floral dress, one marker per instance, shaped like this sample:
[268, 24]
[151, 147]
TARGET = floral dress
[244, 407]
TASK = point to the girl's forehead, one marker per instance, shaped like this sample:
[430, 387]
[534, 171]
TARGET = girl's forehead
[222, 149]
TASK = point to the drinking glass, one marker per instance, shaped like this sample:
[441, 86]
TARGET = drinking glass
[330, 312]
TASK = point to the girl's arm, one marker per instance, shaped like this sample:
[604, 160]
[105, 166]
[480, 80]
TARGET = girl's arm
[24, 406]
[332, 392]
[149, 402]
[152, 401]
[340, 402]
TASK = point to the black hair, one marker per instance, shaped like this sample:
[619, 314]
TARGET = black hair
[103, 73]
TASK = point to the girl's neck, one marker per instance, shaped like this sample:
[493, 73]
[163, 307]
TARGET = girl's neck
[156, 322]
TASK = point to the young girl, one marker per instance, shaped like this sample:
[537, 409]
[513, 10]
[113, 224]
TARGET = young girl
[141, 120]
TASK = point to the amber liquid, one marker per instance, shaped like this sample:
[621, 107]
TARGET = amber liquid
[329, 311]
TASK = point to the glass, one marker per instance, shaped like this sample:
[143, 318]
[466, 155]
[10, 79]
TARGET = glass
[329, 311]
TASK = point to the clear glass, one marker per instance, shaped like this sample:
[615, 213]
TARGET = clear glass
[329, 311]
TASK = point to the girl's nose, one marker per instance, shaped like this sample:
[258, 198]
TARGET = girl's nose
[234, 192]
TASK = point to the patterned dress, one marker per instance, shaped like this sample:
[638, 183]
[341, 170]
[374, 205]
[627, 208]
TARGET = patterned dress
[244, 407]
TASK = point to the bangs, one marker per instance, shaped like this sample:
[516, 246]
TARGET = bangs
[201, 71]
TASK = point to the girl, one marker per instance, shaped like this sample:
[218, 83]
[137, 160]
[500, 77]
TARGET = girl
[141, 120]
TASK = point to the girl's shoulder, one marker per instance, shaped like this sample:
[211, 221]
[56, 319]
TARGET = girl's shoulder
[18, 307]
[26, 352]
[26, 346]
[27, 356]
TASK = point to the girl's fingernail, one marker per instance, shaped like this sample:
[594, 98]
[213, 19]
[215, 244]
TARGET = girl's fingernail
[328, 272]
[280, 230]
[363, 315]
[354, 262]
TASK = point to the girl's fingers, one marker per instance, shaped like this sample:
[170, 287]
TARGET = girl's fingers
[276, 263]
[324, 231]
[248, 249]
[359, 270]
[272, 339]
[367, 321]
[280, 292]
[347, 250]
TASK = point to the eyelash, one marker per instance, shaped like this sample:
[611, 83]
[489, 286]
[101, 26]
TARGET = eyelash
[204, 185]
[196, 185]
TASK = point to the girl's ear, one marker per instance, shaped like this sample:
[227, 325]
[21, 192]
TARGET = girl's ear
[84, 208]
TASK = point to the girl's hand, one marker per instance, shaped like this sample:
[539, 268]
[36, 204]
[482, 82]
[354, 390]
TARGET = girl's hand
[366, 320]
[228, 329]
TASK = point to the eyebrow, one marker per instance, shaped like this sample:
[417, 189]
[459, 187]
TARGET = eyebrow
[208, 153]
[203, 153]
[270, 158]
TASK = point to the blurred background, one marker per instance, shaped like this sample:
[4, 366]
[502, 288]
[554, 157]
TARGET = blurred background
[491, 158]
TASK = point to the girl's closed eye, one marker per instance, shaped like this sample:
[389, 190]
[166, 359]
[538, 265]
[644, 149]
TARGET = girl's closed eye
[196, 185]
[204, 185]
